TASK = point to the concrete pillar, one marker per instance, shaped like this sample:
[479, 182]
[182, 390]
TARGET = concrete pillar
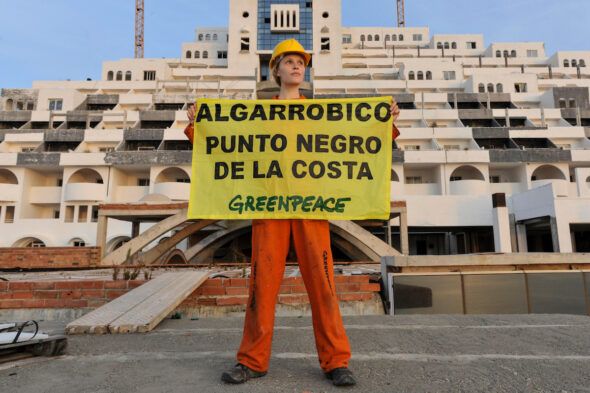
[2, 214]
[388, 232]
[513, 238]
[403, 232]
[101, 234]
[521, 237]
[76, 213]
[502, 240]
[561, 235]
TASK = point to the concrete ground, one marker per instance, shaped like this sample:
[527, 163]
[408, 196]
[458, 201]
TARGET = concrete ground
[518, 353]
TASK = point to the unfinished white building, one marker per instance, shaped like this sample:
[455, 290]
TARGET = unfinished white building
[477, 120]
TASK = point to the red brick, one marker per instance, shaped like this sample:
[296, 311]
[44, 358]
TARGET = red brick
[355, 287]
[119, 284]
[20, 286]
[236, 291]
[292, 281]
[46, 294]
[75, 294]
[238, 282]
[22, 294]
[75, 303]
[214, 291]
[11, 303]
[353, 297]
[44, 285]
[5, 295]
[231, 300]
[34, 303]
[3, 286]
[207, 302]
[93, 293]
[212, 282]
[298, 289]
[53, 303]
[293, 299]
[67, 284]
[371, 287]
[359, 279]
[91, 284]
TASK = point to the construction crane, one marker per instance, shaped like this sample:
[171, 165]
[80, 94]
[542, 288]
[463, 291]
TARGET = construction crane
[401, 13]
[139, 18]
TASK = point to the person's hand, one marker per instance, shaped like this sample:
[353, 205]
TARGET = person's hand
[191, 113]
[394, 110]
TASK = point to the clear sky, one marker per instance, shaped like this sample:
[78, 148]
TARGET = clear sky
[69, 39]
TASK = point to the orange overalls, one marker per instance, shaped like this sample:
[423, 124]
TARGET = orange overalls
[270, 246]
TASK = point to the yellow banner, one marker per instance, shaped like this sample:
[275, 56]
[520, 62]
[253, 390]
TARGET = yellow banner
[307, 159]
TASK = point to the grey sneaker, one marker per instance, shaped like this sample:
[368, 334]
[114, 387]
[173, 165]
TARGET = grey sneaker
[240, 374]
[341, 376]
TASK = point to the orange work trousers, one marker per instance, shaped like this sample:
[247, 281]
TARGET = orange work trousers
[270, 246]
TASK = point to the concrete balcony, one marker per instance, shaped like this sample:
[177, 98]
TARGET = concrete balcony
[8, 192]
[561, 187]
[507, 188]
[469, 187]
[425, 156]
[129, 194]
[421, 189]
[45, 195]
[174, 191]
[468, 156]
[85, 192]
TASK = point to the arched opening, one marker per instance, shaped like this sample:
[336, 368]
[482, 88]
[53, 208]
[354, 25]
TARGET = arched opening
[376, 37]
[214, 37]
[428, 75]
[505, 53]
[411, 75]
[498, 53]
[173, 175]
[189, 54]
[362, 37]
[394, 176]
[513, 53]
[128, 75]
[119, 75]
[369, 37]
[86, 175]
[205, 54]
[566, 63]
[439, 45]
[115, 243]
[582, 63]
[490, 87]
[200, 37]
[447, 46]
[401, 37]
[393, 37]
[387, 37]
[77, 242]
[207, 37]
[574, 63]
[454, 45]
[29, 242]
[420, 75]
[7, 177]
[197, 54]
[499, 88]
[547, 172]
[481, 88]
[467, 172]
[110, 75]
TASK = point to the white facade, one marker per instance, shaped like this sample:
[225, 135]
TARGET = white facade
[476, 120]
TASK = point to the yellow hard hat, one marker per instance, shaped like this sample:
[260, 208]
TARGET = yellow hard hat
[289, 46]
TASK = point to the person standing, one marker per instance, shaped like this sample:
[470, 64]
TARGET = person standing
[270, 246]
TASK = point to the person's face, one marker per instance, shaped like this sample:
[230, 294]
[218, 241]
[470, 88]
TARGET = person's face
[291, 70]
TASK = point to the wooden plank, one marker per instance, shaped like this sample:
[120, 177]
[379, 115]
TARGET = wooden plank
[151, 312]
[97, 321]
